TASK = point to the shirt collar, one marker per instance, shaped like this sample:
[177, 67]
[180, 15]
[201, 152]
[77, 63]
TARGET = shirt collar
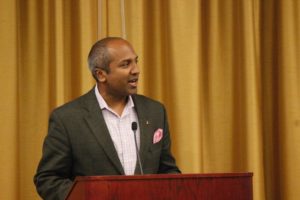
[103, 104]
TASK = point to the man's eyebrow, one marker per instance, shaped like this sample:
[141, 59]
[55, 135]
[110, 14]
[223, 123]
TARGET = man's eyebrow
[129, 59]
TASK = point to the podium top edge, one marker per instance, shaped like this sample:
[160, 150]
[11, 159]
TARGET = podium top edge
[163, 176]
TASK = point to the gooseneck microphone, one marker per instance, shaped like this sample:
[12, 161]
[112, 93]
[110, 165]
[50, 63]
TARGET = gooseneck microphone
[134, 128]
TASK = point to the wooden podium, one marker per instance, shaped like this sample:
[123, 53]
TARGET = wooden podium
[231, 186]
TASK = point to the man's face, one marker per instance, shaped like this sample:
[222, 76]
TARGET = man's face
[122, 79]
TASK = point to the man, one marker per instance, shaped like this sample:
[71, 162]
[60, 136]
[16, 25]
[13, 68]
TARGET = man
[92, 135]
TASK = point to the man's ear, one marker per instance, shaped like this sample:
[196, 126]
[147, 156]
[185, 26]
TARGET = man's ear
[101, 75]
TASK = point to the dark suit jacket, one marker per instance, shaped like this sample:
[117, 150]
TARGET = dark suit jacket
[79, 144]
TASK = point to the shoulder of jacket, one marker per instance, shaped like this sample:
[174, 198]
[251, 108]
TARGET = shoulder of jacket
[146, 100]
[75, 105]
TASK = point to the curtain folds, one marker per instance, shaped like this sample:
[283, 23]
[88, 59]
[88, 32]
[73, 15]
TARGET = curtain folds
[227, 71]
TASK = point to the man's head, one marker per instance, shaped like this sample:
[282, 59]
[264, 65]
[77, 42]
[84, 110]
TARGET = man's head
[113, 63]
[99, 57]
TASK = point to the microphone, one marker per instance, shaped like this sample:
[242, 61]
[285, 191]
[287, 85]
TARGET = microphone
[134, 128]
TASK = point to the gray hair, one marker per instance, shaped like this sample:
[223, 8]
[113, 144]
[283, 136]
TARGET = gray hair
[99, 57]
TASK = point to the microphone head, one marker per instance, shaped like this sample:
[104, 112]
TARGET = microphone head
[134, 126]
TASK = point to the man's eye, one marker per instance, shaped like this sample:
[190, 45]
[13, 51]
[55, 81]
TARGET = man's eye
[125, 64]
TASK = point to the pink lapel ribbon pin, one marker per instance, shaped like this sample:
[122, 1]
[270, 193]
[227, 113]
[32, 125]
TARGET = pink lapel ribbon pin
[157, 135]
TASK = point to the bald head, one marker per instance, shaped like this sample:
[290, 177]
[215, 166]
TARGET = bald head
[99, 56]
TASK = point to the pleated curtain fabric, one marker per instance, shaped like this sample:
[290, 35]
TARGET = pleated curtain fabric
[227, 71]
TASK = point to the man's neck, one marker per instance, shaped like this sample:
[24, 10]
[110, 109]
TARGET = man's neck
[117, 104]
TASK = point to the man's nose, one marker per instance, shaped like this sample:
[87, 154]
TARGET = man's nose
[135, 69]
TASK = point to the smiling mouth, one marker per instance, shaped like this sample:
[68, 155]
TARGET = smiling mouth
[133, 82]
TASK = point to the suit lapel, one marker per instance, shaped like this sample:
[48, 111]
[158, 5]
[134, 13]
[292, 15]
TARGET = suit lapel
[145, 129]
[97, 124]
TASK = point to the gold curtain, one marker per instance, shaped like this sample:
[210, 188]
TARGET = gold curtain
[44, 45]
[228, 72]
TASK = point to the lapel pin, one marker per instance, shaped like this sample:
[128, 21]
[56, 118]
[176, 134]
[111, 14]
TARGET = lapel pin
[147, 122]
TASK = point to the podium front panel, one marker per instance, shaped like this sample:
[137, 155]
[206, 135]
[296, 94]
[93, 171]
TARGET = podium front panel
[237, 186]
